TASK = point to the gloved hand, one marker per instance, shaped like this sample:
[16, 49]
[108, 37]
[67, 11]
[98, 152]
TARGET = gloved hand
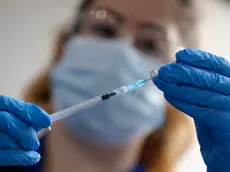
[19, 122]
[199, 85]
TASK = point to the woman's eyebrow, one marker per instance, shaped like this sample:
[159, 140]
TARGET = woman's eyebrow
[152, 26]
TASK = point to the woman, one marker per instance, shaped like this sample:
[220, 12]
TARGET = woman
[150, 30]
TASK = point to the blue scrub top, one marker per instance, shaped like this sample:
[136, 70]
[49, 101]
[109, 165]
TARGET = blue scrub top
[41, 150]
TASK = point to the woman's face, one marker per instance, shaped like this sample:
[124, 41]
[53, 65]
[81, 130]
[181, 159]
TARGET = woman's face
[148, 23]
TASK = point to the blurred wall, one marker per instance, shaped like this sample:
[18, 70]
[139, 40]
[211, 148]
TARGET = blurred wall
[28, 27]
[215, 27]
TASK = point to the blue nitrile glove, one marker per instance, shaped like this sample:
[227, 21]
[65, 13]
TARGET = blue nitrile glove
[200, 87]
[18, 139]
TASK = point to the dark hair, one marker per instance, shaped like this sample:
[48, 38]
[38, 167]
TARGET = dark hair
[77, 23]
[85, 4]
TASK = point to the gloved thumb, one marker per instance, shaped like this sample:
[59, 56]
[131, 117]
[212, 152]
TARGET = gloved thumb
[18, 157]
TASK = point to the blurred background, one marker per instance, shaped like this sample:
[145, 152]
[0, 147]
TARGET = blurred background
[28, 28]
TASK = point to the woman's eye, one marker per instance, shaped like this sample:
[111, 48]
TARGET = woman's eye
[147, 46]
[104, 31]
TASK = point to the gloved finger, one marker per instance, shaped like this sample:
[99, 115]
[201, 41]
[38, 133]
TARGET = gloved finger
[18, 158]
[8, 142]
[213, 118]
[30, 113]
[194, 95]
[24, 134]
[204, 60]
[184, 74]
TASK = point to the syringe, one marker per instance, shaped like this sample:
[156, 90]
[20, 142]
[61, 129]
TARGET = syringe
[94, 101]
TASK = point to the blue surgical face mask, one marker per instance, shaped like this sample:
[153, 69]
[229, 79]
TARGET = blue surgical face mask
[90, 67]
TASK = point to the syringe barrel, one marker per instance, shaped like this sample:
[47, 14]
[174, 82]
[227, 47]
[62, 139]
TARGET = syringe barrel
[74, 109]
[70, 111]
[43, 132]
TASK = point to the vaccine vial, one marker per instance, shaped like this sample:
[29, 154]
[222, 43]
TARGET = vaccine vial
[153, 73]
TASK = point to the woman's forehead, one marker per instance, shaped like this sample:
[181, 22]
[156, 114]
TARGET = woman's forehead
[147, 11]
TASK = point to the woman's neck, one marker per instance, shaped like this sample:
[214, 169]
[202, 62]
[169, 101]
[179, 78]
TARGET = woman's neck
[67, 154]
